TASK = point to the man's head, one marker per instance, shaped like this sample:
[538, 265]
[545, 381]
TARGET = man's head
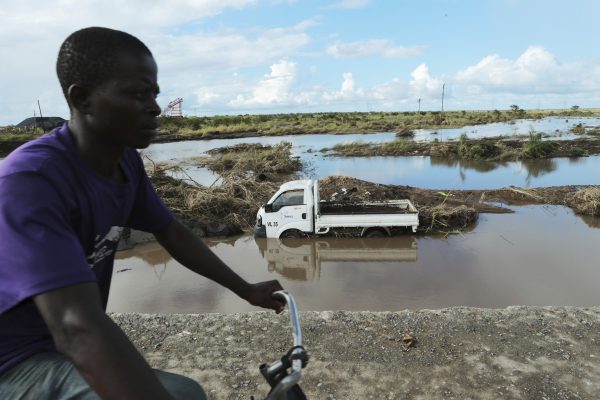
[109, 79]
[89, 56]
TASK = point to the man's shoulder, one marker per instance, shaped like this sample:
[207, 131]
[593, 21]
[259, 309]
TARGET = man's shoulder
[42, 155]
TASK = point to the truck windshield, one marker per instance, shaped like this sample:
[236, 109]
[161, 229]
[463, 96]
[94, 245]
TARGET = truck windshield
[289, 198]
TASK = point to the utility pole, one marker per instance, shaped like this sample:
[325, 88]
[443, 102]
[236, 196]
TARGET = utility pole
[443, 89]
[419, 104]
[34, 120]
[41, 117]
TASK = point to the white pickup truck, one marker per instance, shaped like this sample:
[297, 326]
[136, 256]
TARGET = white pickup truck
[295, 210]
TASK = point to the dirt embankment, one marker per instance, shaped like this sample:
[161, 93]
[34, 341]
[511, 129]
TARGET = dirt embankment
[233, 205]
[459, 353]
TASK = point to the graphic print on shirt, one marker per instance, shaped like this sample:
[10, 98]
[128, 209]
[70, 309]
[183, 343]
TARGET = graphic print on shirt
[105, 246]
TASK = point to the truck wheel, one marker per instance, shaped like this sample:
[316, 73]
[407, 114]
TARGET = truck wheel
[376, 233]
[291, 234]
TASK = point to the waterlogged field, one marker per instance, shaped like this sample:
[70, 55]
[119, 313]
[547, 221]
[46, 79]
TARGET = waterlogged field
[540, 255]
[418, 171]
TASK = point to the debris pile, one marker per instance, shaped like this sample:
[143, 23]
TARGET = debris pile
[586, 201]
[234, 201]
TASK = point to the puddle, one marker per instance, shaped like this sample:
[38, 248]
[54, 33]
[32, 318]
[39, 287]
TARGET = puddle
[540, 255]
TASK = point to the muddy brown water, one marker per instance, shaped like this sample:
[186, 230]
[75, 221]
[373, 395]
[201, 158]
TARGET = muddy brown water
[540, 255]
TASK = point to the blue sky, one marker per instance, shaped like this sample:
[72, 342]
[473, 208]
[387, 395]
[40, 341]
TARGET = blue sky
[274, 56]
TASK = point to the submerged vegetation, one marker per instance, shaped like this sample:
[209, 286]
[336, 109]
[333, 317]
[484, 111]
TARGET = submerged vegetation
[535, 147]
[480, 150]
[489, 149]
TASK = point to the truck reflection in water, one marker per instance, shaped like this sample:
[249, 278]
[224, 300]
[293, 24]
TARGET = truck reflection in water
[300, 259]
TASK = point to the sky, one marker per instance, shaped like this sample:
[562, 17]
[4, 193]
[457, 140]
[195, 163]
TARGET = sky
[297, 56]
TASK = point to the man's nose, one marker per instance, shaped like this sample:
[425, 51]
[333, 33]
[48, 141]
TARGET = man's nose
[154, 108]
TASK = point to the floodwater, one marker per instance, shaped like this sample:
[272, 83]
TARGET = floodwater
[554, 128]
[424, 172]
[540, 255]
[434, 173]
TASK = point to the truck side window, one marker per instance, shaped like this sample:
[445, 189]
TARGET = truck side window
[289, 198]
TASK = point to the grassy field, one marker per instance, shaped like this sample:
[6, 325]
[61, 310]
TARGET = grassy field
[189, 128]
[192, 128]
[357, 122]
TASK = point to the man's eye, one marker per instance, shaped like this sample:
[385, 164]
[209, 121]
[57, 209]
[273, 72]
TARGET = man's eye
[144, 94]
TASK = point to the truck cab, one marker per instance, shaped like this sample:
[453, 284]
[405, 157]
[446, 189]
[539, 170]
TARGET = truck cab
[290, 211]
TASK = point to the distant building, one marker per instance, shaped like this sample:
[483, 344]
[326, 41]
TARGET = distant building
[47, 123]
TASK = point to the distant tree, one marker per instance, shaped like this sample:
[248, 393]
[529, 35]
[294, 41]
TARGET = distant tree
[575, 108]
[517, 111]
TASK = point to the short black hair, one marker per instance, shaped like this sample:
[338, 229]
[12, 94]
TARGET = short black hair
[88, 57]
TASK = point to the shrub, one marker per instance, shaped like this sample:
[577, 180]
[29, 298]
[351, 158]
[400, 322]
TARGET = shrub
[536, 148]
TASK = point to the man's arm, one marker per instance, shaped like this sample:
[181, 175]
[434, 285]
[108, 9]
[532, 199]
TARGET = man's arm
[98, 348]
[192, 253]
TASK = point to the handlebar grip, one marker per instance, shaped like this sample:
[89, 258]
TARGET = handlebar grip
[297, 353]
[296, 329]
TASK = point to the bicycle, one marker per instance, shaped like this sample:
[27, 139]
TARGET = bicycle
[283, 375]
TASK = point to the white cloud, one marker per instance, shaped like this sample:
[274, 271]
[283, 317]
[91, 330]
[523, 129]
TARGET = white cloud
[492, 83]
[422, 84]
[347, 92]
[207, 52]
[534, 71]
[272, 89]
[188, 57]
[390, 91]
[351, 4]
[72, 14]
[375, 47]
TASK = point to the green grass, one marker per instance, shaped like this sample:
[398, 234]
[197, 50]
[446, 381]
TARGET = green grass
[12, 134]
[338, 122]
[536, 148]
[481, 150]
[361, 149]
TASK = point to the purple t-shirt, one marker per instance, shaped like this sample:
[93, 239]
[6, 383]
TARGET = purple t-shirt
[60, 223]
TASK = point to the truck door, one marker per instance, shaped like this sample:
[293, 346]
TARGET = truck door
[288, 211]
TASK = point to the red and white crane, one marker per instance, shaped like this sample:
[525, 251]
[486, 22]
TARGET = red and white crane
[173, 109]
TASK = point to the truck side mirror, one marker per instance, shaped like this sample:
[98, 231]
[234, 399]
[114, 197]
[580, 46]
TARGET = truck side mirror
[268, 208]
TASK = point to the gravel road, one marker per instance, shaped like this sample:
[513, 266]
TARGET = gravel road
[458, 353]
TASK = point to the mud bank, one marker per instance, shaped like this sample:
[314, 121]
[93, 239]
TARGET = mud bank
[460, 353]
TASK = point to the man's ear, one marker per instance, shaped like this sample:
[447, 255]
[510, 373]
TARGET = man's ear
[79, 98]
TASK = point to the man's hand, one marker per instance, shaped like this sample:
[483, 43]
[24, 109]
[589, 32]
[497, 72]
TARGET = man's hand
[261, 295]
[192, 253]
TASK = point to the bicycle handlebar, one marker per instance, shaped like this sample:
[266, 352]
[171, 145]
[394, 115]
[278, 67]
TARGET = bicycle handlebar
[290, 380]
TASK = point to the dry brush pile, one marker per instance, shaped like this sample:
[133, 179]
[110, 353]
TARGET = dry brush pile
[586, 201]
[249, 175]
[438, 211]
